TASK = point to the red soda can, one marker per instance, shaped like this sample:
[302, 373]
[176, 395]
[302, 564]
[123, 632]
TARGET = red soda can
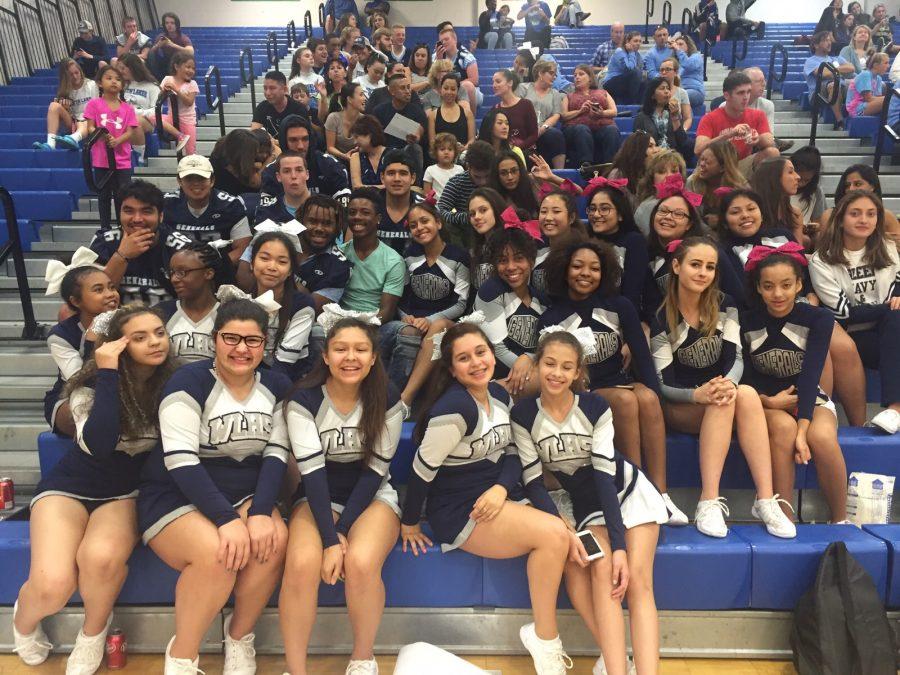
[7, 493]
[116, 649]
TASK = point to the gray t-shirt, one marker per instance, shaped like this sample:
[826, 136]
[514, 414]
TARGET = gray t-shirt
[335, 122]
[813, 210]
[681, 96]
[139, 44]
[544, 106]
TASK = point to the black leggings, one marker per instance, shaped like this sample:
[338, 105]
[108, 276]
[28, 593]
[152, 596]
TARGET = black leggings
[110, 191]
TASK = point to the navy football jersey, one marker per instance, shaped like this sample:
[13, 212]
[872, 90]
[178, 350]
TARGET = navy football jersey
[225, 217]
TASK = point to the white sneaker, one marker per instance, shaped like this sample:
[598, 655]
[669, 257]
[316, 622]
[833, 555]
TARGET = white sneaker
[240, 655]
[362, 667]
[710, 517]
[600, 667]
[678, 518]
[182, 141]
[32, 649]
[548, 655]
[887, 420]
[769, 511]
[181, 666]
[87, 654]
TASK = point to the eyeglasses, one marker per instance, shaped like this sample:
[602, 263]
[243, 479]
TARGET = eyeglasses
[604, 209]
[180, 274]
[677, 215]
[667, 70]
[506, 173]
[233, 340]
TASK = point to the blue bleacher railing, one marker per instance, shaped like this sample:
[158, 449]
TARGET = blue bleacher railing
[307, 24]
[13, 247]
[739, 40]
[667, 13]
[885, 130]
[99, 136]
[651, 7]
[818, 99]
[213, 75]
[248, 75]
[272, 50]
[172, 99]
[772, 78]
[291, 34]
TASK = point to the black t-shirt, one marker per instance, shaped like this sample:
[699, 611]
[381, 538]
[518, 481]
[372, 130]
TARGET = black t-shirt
[227, 181]
[385, 113]
[382, 95]
[96, 47]
[270, 118]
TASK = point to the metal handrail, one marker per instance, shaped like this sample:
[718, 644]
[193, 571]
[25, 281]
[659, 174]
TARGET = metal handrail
[707, 47]
[172, 98]
[28, 66]
[666, 13]
[272, 50]
[745, 41]
[14, 247]
[648, 12]
[772, 78]
[687, 27]
[99, 135]
[818, 99]
[215, 104]
[155, 14]
[112, 17]
[248, 76]
[322, 15]
[40, 21]
[307, 24]
[58, 54]
[291, 34]
[98, 30]
[884, 128]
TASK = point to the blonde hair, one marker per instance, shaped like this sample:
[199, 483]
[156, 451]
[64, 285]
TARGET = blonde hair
[677, 81]
[868, 46]
[732, 177]
[541, 67]
[710, 298]
[661, 160]
[438, 68]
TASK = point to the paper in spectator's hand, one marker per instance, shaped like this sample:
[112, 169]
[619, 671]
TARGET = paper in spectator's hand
[401, 127]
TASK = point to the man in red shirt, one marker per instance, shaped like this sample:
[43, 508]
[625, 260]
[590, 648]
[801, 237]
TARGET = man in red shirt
[746, 128]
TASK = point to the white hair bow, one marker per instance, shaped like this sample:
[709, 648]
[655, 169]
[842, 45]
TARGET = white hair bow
[228, 292]
[219, 244]
[477, 317]
[333, 312]
[291, 229]
[56, 270]
[101, 322]
[584, 335]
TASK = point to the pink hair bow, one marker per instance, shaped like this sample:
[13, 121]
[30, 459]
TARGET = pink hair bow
[673, 186]
[672, 245]
[431, 198]
[759, 253]
[511, 220]
[566, 186]
[723, 191]
[595, 184]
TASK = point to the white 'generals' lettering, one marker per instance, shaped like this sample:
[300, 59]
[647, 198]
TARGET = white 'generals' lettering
[429, 286]
[522, 329]
[704, 353]
[607, 347]
[779, 362]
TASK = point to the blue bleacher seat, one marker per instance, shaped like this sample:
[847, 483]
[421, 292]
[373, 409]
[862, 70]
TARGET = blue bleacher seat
[865, 449]
[43, 204]
[890, 535]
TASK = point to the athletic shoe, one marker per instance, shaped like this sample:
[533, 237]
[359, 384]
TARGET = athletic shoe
[180, 666]
[580, 18]
[87, 654]
[362, 667]
[887, 420]
[600, 667]
[548, 655]
[710, 517]
[240, 655]
[678, 518]
[37, 145]
[32, 649]
[69, 142]
[783, 145]
[843, 522]
[769, 511]
[182, 141]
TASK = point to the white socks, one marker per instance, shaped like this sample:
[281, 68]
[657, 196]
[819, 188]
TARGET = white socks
[76, 136]
[51, 140]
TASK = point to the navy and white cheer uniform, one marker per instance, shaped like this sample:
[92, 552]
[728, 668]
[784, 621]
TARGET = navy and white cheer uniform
[786, 351]
[479, 274]
[102, 466]
[539, 272]
[687, 359]
[326, 272]
[191, 340]
[737, 251]
[289, 353]
[605, 488]
[69, 349]
[439, 290]
[466, 450]
[215, 451]
[509, 323]
[331, 454]
[225, 217]
[631, 252]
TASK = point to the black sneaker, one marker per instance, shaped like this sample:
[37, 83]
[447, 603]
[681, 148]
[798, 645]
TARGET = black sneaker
[783, 145]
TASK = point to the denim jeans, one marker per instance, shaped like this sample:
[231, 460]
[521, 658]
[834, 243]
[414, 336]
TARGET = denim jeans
[399, 351]
[595, 146]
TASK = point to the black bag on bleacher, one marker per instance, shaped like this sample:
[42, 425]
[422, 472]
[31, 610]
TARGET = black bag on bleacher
[840, 626]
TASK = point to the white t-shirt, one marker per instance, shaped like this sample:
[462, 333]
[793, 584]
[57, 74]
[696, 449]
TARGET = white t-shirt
[438, 177]
[310, 80]
[367, 86]
[142, 96]
[80, 98]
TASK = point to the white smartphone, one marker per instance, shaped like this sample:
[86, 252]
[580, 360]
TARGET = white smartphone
[590, 543]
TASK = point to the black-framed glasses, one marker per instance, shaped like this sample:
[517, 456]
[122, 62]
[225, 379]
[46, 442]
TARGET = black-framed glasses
[664, 211]
[604, 209]
[181, 274]
[233, 340]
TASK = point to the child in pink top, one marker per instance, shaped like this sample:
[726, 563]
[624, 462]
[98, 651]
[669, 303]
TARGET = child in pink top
[181, 82]
[119, 119]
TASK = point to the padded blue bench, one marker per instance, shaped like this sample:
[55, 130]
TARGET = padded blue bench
[69, 180]
[783, 569]
[28, 232]
[43, 204]
[39, 159]
[890, 535]
[865, 449]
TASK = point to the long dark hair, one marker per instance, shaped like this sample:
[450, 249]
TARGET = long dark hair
[139, 70]
[373, 390]
[237, 150]
[866, 172]
[481, 251]
[576, 227]
[830, 242]
[775, 202]
[412, 54]
[557, 268]
[139, 401]
[655, 245]
[290, 284]
[631, 158]
[486, 130]
[441, 379]
[523, 195]
[648, 107]
[722, 230]
[174, 17]
[808, 158]
[620, 200]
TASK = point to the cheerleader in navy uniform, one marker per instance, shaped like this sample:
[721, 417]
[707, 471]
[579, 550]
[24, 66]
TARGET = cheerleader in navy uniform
[695, 341]
[344, 422]
[512, 307]
[611, 219]
[856, 273]
[87, 292]
[485, 214]
[207, 498]
[582, 280]
[559, 223]
[741, 228]
[466, 465]
[609, 495]
[83, 523]
[195, 273]
[436, 294]
[785, 345]
[275, 265]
